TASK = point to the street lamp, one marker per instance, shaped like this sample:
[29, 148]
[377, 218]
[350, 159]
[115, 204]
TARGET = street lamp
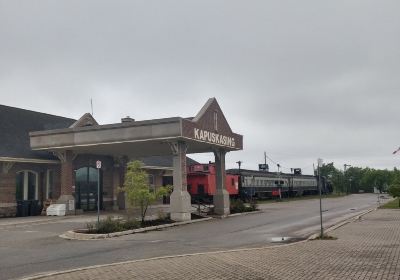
[279, 181]
[344, 177]
[239, 163]
[320, 162]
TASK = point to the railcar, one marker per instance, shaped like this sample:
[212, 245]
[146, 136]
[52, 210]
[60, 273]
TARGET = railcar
[251, 183]
[201, 182]
[263, 184]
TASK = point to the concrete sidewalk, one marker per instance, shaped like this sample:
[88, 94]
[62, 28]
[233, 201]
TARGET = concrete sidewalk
[85, 217]
[368, 248]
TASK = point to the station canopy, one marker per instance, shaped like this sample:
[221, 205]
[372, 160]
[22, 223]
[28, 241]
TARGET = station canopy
[206, 132]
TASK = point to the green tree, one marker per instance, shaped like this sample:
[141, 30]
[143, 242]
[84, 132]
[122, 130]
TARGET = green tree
[379, 179]
[394, 189]
[137, 188]
[353, 179]
[330, 172]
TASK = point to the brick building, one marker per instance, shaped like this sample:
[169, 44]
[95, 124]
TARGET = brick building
[45, 157]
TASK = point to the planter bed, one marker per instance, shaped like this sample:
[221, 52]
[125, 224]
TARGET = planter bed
[83, 234]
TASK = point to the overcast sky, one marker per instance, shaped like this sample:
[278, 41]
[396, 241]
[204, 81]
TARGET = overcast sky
[299, 79]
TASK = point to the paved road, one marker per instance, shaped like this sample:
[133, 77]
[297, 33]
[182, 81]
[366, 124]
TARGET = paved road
[32, 248]
[366, 249]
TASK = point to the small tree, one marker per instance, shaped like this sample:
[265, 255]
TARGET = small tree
[137, 188]
[394, 189]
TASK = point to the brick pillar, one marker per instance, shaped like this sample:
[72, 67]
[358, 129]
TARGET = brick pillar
[180, 205]
[67, 179]
[221, 197]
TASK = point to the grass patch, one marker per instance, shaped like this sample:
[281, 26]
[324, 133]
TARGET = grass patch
[394, 204]
[326, 237]
[305, 197]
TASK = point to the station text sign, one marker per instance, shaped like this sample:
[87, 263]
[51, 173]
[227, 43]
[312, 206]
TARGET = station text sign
[214, 138]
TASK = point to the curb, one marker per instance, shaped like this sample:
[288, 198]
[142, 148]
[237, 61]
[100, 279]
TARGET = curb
[245, 213]
[345, 222]
[237, 214]
[71, 235]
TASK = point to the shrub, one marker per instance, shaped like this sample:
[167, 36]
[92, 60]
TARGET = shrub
[109, 225]
[253, 205]
[238, 206]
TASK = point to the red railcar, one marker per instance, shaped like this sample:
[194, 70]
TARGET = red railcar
[201, 181]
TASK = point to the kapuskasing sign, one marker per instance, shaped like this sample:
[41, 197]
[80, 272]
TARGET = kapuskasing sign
[214, 138]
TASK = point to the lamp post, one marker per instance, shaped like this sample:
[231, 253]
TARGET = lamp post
[279, 181]
[344, 177]
[320, 162]
[239, 164]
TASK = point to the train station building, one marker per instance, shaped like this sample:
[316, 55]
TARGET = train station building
[45, 157]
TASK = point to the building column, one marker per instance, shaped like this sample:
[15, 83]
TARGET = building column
[116, 183]
[67, 180]
[118, 180]
[221, 197]
[180, 205]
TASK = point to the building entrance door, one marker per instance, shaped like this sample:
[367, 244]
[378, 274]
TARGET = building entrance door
[86, 180]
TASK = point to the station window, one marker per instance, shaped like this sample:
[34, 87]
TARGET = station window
[26, 185]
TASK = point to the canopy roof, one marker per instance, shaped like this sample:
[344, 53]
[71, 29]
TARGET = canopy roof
[205, 132]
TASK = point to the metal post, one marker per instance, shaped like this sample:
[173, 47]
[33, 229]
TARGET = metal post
[279, 182]
[320, 197]
[344, 177]
[98, 197]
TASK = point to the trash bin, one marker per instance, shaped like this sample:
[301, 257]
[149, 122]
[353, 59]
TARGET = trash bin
[20, 210]
[27, 207]
[23, 208]
[34, 208]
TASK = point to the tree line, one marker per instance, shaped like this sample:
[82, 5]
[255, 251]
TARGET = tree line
[357, 179]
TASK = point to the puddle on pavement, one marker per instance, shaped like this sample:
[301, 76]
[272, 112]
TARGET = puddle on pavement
[285, 239]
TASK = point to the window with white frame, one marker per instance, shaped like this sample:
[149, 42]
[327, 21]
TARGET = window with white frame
[27, 185]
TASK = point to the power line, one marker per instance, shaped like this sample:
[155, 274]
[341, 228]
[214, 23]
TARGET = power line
[285, 167]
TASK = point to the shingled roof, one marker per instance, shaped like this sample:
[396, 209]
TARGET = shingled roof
[15, 125]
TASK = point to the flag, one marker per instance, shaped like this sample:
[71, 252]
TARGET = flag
[396, 150]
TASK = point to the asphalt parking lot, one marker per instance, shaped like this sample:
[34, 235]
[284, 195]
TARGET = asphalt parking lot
[29, 248]
[366, 248]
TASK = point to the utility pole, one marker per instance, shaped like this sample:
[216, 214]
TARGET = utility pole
[239, 163]
[344, 177]
[320, 195]
[279, 181]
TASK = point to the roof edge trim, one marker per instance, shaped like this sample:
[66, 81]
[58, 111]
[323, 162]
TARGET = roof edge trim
[29, 160]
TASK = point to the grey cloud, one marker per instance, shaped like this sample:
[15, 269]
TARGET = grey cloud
[299, 79]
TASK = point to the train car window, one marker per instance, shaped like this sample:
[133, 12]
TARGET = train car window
[232, 181]
[189, 188]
